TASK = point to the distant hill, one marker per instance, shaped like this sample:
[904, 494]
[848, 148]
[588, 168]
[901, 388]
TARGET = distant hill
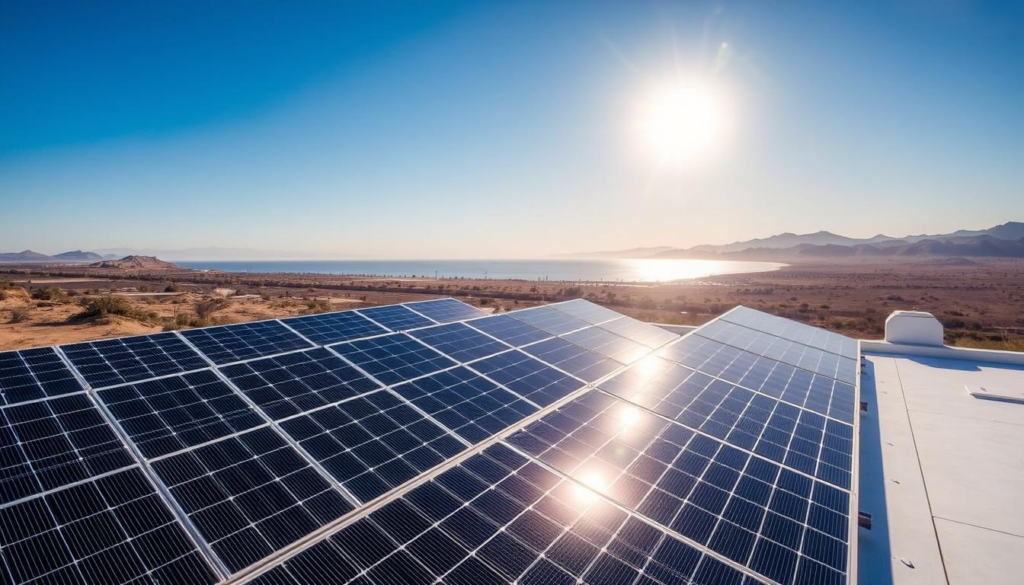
[788, 240]
[77, 256]
[24, 256]
[137, 263]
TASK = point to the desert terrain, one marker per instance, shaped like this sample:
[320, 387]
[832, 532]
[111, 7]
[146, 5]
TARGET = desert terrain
[979, 301]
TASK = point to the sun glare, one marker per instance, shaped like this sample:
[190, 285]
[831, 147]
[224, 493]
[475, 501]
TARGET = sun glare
[682, 123]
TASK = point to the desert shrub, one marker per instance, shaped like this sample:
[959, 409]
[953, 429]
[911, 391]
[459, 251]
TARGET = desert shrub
[102, 307]
[50, 293]
[318, 306]
[19, 314]
[207, 307]
[170, 288]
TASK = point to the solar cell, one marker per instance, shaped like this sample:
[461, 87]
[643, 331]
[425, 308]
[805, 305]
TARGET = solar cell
[396, 317]
[459, 342]
[372, 444]
[116, 361]
[170, 414]
[393, 358]
[446, 310]
[748, 509]
[31, 374]
[51, 443]
[233, 343]
[793, 331]
[549, 320]
[467, 403]
[292, 383]
[586, 311]
[528, 377]
[250, 495]
[650, 335]
[579, 362]
[327, 328]
[115, 529]
[509, 329]
[608, 344]
[499, 518]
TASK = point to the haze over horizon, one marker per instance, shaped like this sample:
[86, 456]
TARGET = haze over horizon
[503, 130]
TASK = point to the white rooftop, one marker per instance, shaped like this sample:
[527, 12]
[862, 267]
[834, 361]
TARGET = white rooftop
[941, 470]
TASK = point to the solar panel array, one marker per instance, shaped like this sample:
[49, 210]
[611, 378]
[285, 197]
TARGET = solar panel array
[430, 442]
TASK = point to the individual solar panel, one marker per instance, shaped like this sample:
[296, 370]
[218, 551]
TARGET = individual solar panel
[250, 495]
[459, 342]
[650, 335]
[244, 341]
[776, 522]
[793, 331]
[466, 402]
[396, 317]
[608, 344]
[586, 311]
[170, 414]
[530, 526]
[292, 383]
[446, 310]
[129, 359]
[115, 529]
[549, 320]
[393, 358]
[579, 362]
[510, 330]
[31, 374]
[528, 377]
[372, 444]
[327, 328]
[52, 443]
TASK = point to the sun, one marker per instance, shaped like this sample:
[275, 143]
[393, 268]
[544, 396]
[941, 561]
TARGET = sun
[682, 123]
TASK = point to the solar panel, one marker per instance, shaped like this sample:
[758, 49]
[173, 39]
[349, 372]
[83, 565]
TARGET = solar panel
[586, 311]
[129, 359]
[499, 518]
[549, 320]
[32, 374]
[572, 358]
[293, 383]
[608, 344]
[793, 331]
[233, 343]
[372, 444]
[52, 443]
[327, 328]
[509, 329]
[766, 517]
[446, 310]
[166, 415]
[466, 402]
[396, 317]
[638, 331]
[459, 342]
[528, 377]
[250, 495]
[115, 529]
[393, 358]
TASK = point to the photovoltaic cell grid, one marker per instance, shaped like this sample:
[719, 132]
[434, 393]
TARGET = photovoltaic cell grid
[459, 342]
[608, 344]
[568, 356]
[52, 443]
[761, 515]
[586, 311]
[329, 328]
[250, 495]
[446, 310]
[499, 518]
[372, 444]
[115, 529]
[467, 403]
[793, 331]
[233, 343]
[393, 358]
[510, 330]
[293, 383]
[171, 414]
[396, 317]
[130, 359]
[528, 377]
[549, 320]
[32, 374]
[638, 331]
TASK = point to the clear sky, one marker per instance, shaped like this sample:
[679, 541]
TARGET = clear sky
[507, 129]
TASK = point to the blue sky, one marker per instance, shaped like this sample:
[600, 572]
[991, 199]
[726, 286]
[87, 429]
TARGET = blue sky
[468, 129]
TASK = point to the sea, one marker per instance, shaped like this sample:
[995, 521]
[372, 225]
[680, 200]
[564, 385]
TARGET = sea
[574, 270]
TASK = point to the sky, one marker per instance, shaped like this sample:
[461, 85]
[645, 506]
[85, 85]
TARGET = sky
[500, 129]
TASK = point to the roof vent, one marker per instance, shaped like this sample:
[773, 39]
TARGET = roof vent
[913, 328]
[999, 394]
